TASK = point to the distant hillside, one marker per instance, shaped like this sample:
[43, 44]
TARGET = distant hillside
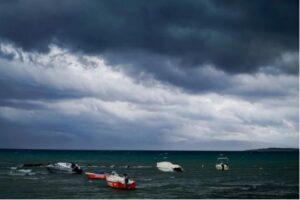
[274, 149]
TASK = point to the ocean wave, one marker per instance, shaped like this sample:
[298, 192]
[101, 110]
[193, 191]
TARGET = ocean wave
[21, 173]
[92, 166]
[147, 179]
[13, 168]
[121, 166]
[142, 166]
[32, 178]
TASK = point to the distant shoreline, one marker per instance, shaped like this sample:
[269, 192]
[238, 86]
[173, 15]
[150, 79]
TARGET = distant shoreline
[272, 149]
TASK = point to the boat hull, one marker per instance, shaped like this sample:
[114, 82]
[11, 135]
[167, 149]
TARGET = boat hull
[169, 167]
[94, 176]
[119, 185]
[60, 171]
[64, 168]
[222, 167]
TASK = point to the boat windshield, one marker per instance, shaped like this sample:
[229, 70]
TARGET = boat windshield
[222, 160]
[114, 173]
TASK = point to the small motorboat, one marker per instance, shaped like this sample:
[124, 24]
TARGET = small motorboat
[222, 164]
[96, 176]
[114, 180]
[169, 167]
[65, 168]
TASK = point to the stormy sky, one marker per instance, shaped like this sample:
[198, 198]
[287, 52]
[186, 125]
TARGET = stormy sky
[138, 74]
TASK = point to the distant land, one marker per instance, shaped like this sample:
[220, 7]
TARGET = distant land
[270, 149]
[274, 149]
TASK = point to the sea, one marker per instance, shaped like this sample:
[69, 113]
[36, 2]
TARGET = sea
[252, 175]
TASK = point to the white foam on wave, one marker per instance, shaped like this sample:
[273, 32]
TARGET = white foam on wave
[13, 168]
[21, 174]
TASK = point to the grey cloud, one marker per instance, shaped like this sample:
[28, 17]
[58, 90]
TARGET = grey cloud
[50, 76]
[188, 75]
[46, 127]
[235, 37]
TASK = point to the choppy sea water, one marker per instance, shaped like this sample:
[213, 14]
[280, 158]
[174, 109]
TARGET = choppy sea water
[251, 175]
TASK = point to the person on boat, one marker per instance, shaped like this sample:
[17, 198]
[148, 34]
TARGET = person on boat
[223, 166]
[126, 179]
[76, 168]
[73, 165]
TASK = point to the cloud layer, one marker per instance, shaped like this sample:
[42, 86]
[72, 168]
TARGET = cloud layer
[90, 104]
[149, 74]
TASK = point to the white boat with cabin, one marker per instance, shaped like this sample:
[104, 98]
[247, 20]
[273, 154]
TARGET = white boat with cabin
[222, 164]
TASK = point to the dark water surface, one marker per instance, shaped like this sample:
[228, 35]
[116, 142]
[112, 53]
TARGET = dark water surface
[251, 175]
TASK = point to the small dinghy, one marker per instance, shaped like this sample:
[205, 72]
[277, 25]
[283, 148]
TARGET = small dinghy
[169, 167]
[64, 168]
[114, 180]
[96, 176]
[222, 164]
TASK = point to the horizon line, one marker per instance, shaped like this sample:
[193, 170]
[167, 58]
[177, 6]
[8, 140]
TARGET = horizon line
[52, 149]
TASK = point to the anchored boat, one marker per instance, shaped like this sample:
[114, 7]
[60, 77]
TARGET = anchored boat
[169, 167]
[96, 176]
[114, 180]
[65, 168]
[222, 163]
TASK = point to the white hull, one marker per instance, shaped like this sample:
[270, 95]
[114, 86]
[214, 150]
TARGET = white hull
[116, 181]
[117, 178]
[168, 167]
[64, 168]
[60, 171]
[222, 168]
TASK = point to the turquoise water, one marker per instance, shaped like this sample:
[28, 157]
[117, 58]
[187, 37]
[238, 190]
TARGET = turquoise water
[251, 175]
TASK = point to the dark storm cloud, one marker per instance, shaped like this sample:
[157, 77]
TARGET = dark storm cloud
[183, 74]
[235, 36]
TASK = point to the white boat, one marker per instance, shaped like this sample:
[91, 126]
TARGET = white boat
[222, 164]
[114, 180]
[65, 168]
[169, 167]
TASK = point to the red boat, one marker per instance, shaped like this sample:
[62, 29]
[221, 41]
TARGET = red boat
[94, 176]
[116, 181]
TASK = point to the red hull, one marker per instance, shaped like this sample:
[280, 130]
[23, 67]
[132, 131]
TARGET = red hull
[119, 185]
[93, 176]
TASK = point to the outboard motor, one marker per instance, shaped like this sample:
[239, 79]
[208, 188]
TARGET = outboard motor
[76, 169]
[178, 169]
